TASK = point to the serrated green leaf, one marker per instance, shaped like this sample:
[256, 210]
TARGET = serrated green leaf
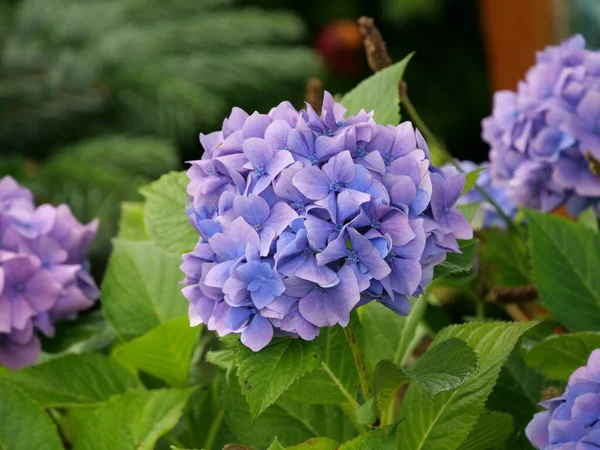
[386, 335]
[379, 93]
[24, 425]
[85, 380]
[517, 392]
[131, 223]
[589, 218]
[442, 367]
[319, 443]
[471, 178]
[491, 432]
[276, 445]
[141, 288]
[556, 357]
[267, 374]
[381, 439]
[293, 422]
[164, 352]
[164, 213]
[444, 422]
[221, 358]
[458, 262]
[335, 380]
[132, 420]
[566, 261]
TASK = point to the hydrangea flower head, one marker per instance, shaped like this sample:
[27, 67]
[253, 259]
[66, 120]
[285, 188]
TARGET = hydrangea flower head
[545, 138]
[571, 421]
[43, 275]
[303, 217]
[487, 215]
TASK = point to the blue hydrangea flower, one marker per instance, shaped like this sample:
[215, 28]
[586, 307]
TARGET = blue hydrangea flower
[303, 217]
[545, 138]
[43, 274]
[571, 421]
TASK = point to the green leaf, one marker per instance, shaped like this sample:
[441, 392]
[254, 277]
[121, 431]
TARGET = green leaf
[379, 93]
[276, 445]
[458, 262]
[386, 335]
[502, 264]
[141, 288]
[381, 439]
[517, 392]
[589, 218]
[444, 422]
[566, 261]
[471, 179]
[469, 210]
[71, 381]
[221, 358]
[88, 333]
[132, 420]
[556, 357]
[319, 443]
[165, 217]
[491, 432]
[442, 367]
[336, 379]
[164, 352]
[267, 374]
[131, 223]
[367, 413]
[24, 425]
[293, 422]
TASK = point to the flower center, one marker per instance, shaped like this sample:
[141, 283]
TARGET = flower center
[307, 253]
[352, 257]
[327, 132]
[20, 287]
[334, 186]
[313, 159]
[340, 123]
[375, 223]
[446, 209]
[260, 171]
[258, 227]
[285, 147]
[389, 159]
[362, 151]
[338, 227]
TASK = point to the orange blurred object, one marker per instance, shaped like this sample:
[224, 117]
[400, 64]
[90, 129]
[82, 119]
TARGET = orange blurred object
[514, 30]
[340, 43]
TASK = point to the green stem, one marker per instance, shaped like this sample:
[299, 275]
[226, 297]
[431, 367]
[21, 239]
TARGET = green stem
[388, 414]
[359, 361]
[420, 124]
[213, 431]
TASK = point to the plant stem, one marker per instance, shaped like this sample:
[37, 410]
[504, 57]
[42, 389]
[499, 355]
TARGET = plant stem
[420, 124]
[359, 361]
[213, 431]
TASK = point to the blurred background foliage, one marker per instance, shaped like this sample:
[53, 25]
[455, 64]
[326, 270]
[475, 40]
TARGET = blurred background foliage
[98, 97]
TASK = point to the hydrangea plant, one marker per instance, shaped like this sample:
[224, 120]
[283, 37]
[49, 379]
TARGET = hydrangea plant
[43, 273]
[304, 217]
[544, 137]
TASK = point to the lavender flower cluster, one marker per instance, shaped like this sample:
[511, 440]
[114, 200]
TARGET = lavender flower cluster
[489, 215]
[304, 217]
[43, 278]
[571, 421]
[545, 138]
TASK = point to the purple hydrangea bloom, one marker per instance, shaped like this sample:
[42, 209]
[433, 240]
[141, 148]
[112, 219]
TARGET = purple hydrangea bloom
[545, 138]
[43, 274]
[303, 217]
[487, 215]
[571, 421]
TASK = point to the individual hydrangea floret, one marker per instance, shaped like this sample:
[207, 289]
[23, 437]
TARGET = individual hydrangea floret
[303, 217]
[43, 273]
[545, 138]
[487, 214]
[571, 421]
